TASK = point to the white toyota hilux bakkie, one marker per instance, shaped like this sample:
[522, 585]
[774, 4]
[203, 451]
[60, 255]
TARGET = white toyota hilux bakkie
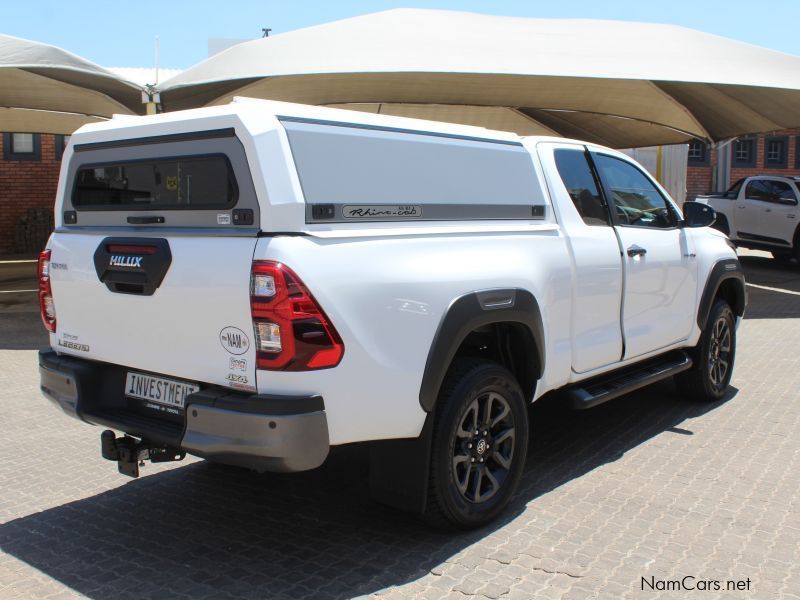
[257, 282]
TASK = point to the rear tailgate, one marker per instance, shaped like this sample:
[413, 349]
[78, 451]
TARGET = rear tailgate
[150, 267]
[196, 325]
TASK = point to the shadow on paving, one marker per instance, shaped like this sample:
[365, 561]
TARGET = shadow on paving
[21, 330]
[206, 530]
[780, 302]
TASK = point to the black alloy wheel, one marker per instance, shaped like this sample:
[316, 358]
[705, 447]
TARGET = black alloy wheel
[713, 357]
[480, 440]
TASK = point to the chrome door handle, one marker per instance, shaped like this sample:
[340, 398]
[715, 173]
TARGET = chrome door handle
[634, 251]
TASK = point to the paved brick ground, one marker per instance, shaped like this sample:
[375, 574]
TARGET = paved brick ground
[646, 486]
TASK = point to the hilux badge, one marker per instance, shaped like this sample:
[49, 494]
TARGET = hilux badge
[134, 262]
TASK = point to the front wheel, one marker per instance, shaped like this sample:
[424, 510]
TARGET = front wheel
[480, 440]
[709, 377]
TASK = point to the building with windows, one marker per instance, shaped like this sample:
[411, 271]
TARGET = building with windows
[29, 166]
[712, 169]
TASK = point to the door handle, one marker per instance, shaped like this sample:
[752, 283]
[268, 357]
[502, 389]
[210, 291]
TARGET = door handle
[634, 251]
[768, 210]
[740, 206]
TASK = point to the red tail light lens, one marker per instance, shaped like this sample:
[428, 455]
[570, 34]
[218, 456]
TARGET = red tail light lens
[47, 308]
[291, 330]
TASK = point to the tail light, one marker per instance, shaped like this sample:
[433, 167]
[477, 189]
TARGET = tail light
[47, 308]
[291, 330]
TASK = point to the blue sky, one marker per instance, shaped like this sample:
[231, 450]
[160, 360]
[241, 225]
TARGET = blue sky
[121, 34]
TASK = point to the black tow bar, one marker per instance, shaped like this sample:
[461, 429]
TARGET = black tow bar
[130, 452]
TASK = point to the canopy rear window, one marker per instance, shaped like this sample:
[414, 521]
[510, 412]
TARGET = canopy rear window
[175, 183]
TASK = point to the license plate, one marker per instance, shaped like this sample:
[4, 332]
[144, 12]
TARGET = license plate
[160, 390]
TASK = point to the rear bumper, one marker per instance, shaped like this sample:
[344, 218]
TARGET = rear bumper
[263, 432]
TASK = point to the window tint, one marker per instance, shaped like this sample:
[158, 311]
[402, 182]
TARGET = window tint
[636, 200]
[169, 183]
[782, 191]
[759, 189]
[577, 177]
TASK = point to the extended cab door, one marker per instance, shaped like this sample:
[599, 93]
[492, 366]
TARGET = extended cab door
[597, 263]
[660, 286]
[778, 218]
[751, 203]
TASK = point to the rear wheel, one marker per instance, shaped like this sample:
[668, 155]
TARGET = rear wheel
[480, 440]
[709, 377]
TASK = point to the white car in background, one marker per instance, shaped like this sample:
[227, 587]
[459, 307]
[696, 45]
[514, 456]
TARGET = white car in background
[761, 212]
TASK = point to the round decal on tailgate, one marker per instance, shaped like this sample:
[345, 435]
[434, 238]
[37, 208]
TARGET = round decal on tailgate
[234, 340]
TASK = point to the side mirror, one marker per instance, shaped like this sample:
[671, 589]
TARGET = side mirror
[697, 214]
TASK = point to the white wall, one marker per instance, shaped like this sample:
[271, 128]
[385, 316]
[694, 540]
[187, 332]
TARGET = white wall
[672, 171]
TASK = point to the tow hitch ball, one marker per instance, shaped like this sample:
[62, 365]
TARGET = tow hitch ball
[129, 452]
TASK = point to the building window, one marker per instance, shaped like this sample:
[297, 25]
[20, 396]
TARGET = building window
[22, 146]
[744, 152]
[776, 150]
[698, 153]
[797, 152]
[61, 144]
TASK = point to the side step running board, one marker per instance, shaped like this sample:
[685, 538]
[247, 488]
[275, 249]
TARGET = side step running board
[592, 392]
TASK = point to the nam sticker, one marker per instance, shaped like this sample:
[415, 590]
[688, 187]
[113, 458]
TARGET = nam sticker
[234, 340]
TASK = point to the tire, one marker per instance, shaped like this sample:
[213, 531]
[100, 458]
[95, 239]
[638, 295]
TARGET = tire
[714, 355]
[472, 477]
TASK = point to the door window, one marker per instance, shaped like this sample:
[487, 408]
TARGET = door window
[759, 189]
[782, 193]
[575, 172]
[636, 200]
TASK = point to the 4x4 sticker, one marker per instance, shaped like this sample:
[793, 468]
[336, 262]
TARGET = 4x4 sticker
[234, 340]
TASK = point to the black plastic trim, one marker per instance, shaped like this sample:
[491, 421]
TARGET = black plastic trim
[258, 404]
[608, 386]
[141, 278]
[101, 400]
[723, 270]
[470, 312]
[762, 238]
[157, 139]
